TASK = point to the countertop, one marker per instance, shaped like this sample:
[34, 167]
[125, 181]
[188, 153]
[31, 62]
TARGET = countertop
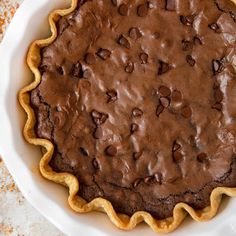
[17, 216]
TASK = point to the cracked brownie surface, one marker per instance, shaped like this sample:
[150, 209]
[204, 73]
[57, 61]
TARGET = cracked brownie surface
[138, 99]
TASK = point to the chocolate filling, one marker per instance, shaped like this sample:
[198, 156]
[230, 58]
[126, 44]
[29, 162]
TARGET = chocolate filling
[138, 98]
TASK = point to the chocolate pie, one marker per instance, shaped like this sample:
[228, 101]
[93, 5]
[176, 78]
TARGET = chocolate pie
[136, 102]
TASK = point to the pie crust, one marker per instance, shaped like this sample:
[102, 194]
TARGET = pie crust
[78, 204]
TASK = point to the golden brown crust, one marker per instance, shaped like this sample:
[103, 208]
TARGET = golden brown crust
[99, 204]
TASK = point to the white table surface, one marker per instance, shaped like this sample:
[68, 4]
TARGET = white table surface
[17, 216]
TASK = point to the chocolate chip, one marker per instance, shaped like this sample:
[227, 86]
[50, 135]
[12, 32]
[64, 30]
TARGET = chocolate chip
[98, 133]
[98, 117]
[137, 112]
[123, 41]
[149, 179]
[104, 53]
[90, 59]
[103, 119]
[186, 112]
[187, 45]
[171, 5]
[150, 5]
[96, 114]
[60, 70]
[215, 27]
[142, 10]
[77, 71]
[59, 108]
[134, 33]
[190, 19]
[218, 95]
[133, 128]
[176, 96]
[111, 150]
[123, 10]
[114, 2]
[176, 146]
[163, 67]
[83, 151]
[164, 91]
[217, 66]
[177, 156]
[159, 110]
[112, 96]
[218, 106]
[158, 178]
[154, 92]
[95, 164]
[202, 157]
[129, 68]
[232, 15]
[137, 182]
[87, 74]
[144, 58]
[164, 101]
[187, 20]
[137, 155]
[190, 60]
[156, 35]
[197, 40]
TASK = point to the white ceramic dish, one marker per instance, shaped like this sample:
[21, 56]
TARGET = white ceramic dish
[30, 23]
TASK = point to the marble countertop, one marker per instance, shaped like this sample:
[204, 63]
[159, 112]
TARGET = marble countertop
[17, 216]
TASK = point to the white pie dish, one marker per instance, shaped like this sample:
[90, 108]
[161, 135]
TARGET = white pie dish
[30, 23]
